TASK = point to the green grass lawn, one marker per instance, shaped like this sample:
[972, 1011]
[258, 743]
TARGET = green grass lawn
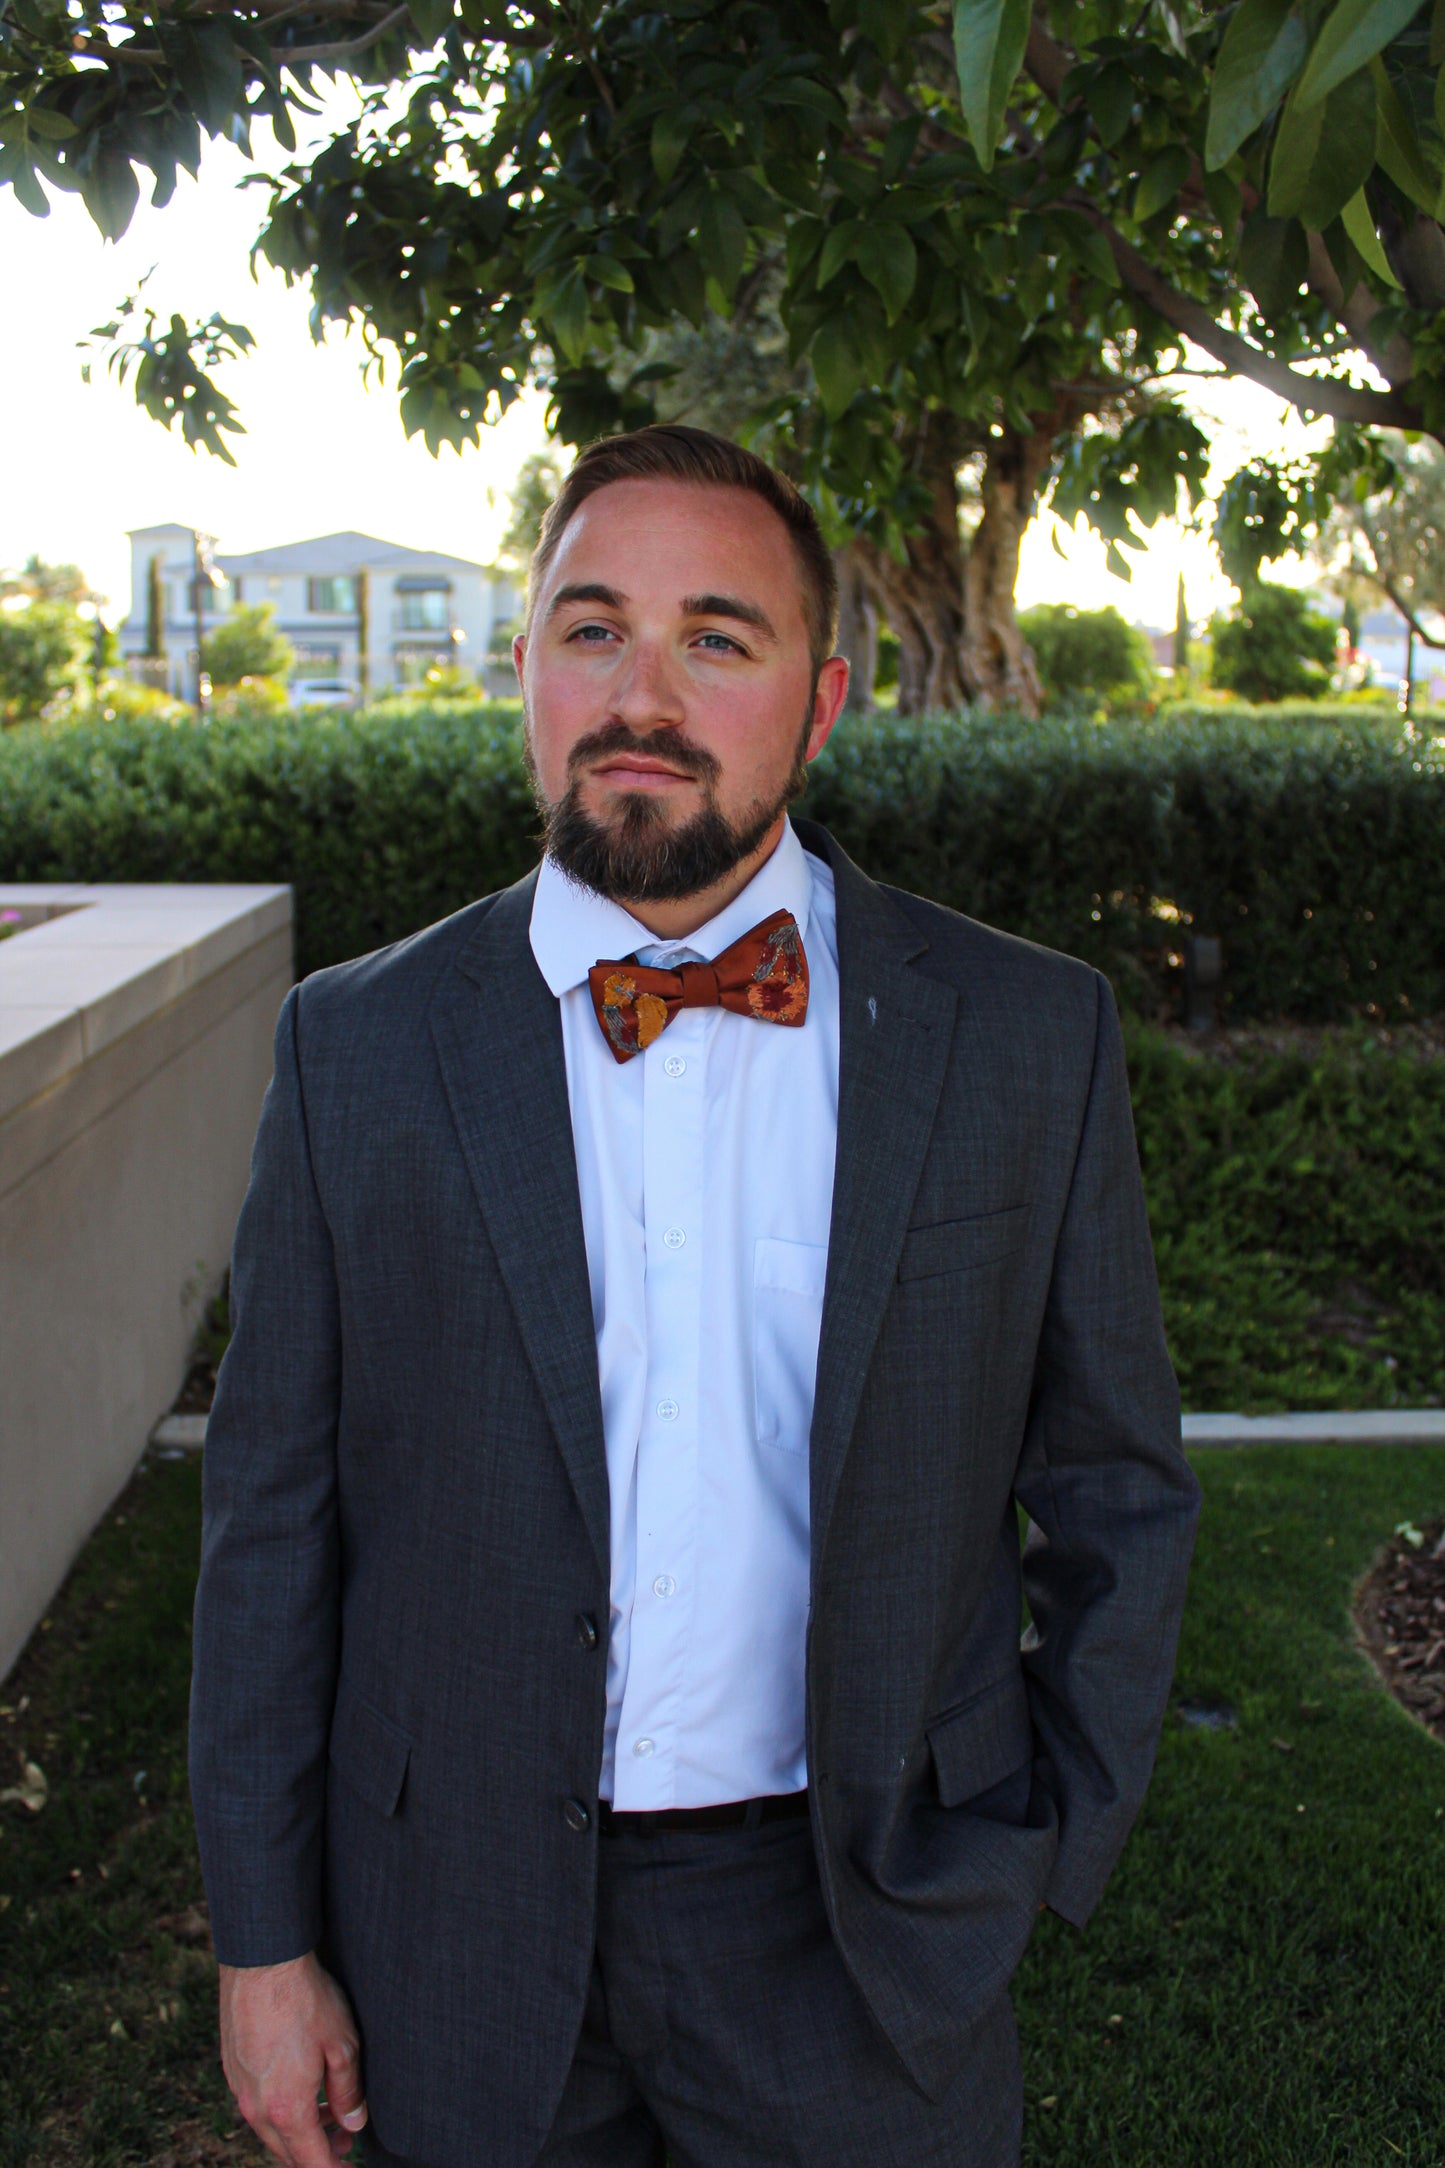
[1273, 1942]
[1260, 1987]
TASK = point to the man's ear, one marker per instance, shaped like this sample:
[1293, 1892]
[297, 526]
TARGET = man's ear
[827, 703]
[519, 651]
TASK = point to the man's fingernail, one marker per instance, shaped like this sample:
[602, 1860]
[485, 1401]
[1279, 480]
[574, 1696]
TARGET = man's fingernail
[355, 2120]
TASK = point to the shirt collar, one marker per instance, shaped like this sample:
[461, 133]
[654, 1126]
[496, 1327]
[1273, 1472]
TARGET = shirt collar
[573, 928]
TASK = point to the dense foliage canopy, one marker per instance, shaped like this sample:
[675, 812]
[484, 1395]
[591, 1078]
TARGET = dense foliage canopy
[989, 230]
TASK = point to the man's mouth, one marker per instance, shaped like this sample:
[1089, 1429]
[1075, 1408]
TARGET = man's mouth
[634, 771]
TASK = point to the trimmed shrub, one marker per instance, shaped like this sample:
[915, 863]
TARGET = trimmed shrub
[1276, 648]
[1313, 851]
[1089, 655]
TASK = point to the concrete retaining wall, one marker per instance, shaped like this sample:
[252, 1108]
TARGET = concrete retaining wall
[135, 1048]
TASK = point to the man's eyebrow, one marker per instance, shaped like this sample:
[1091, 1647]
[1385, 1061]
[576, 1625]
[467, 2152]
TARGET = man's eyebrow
[586, 591]
[746, 613]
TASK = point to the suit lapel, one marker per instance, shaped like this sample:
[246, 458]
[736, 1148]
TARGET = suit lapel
[895, 1033]
[498, 1035]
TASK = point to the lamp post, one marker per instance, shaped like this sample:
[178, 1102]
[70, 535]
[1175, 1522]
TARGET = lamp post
[205, 575]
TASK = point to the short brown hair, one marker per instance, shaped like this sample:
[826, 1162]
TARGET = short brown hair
[671, 452]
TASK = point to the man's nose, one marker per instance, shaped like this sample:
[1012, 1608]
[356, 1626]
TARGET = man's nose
[647, 691]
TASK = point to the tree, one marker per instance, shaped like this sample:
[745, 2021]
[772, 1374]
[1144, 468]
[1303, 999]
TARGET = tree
[992, 230]
[538, 480]
[155, 611]
[1392, 539]
[1180, 653]
[247, 645]
[44, 647]
[1089, 654]
[1275, 648]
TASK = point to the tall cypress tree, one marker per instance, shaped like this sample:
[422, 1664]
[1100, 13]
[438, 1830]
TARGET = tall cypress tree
[155, 612]
[1181, 630]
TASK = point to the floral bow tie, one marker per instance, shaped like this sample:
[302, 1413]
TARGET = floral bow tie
[765, 974]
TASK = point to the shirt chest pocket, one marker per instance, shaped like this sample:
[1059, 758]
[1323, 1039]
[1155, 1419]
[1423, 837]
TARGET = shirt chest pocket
[788, 1280]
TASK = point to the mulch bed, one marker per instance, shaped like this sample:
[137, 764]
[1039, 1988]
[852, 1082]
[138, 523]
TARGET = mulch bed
[1400, 1618]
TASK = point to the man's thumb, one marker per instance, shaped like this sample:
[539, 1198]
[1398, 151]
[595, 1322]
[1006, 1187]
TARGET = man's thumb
[343, 2084]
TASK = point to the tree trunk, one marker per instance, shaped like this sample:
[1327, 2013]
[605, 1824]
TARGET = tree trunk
[857, 627]
[997, 664]
[922, 598]
[958, 635]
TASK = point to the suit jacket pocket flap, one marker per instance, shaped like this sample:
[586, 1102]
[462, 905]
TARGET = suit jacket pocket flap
[369, 1750]
[984, 1739]
[955, 1245]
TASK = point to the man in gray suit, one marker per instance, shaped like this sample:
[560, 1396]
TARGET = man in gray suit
[660, 1286]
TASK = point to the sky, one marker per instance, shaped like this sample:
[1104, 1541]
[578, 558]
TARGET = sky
[323, 451]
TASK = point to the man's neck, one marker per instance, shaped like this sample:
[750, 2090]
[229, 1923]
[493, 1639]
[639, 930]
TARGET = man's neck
[675, 919]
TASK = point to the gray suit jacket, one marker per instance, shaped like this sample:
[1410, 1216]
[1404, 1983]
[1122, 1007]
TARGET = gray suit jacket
[397, 1716]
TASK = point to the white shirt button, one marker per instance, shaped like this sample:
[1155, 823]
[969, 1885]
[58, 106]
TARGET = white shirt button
[667, 1409]
[675, 1065]
[674, 1238]
[664, 1586]
[643, 1748]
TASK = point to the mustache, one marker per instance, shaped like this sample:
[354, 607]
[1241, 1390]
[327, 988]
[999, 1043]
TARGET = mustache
[670, 745]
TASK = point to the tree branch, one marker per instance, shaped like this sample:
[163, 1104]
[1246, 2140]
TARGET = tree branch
[151, 56]
[1311, 394]
[1048, 63]
[1389, 586]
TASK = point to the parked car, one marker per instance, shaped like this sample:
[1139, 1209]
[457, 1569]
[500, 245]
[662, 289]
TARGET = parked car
[323, 692]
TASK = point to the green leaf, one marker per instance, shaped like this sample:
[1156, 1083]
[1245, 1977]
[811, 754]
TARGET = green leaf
[1161, 181]
[433, 18]
[1262, 52]
[1110, 99]
[888, 260]
[989, 37]
[838, 365]
[1398, 147]
[1360, 227]
[1273, 260]
[841, 247]
[207, 66]
[1323, 152]
[607, 271]
[1437, 34]
[563, 308]
[27, 187]
[109, 192]
[45, 122]
[722, 240]
[671, 132]
[1353, 32]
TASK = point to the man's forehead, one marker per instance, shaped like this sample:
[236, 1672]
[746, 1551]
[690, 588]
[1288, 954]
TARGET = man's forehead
[687, 539]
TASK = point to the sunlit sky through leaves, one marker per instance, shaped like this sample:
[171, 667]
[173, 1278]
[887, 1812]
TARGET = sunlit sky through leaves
[323, 451]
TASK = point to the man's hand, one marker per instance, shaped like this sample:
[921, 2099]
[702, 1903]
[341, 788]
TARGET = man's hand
[287, 2033]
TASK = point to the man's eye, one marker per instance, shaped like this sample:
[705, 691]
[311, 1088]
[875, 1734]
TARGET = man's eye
[592, 635]
[722, 643]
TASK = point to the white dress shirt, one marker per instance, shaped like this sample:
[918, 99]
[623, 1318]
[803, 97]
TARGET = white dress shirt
[705, 1167]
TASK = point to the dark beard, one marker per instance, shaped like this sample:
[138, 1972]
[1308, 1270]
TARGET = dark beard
[641, 858]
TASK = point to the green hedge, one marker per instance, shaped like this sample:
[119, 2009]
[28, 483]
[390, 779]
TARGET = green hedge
[1312, 841]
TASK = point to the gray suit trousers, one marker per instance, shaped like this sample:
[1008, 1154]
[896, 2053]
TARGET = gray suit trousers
[722, 2029]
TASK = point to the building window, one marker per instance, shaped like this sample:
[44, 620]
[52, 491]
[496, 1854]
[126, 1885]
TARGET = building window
[332, 597]
[314, 661]
[425, 609]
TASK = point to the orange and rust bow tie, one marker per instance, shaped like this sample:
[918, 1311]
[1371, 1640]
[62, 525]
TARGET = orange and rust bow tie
[765, 974]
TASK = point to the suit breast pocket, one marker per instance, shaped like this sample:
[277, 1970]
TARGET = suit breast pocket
[788, 1279]
[962, 1245]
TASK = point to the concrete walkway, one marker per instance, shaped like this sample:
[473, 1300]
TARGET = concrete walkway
[1370, 1426]
[1366, 1426]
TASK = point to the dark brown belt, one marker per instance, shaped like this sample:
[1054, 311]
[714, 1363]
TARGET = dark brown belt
[731, 1814]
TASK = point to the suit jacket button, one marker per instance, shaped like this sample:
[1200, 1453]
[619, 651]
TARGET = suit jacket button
[586, 1629]
[577, 1816]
